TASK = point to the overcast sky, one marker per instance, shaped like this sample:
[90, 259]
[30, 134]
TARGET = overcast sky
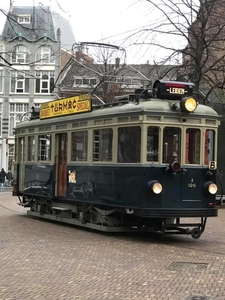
[101, 21]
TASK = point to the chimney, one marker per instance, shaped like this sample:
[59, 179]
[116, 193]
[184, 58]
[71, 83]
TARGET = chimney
[79, 55]
[117, 62]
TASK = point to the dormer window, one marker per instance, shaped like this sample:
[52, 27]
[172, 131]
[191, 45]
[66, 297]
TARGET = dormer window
[23, 19]
[84, 82]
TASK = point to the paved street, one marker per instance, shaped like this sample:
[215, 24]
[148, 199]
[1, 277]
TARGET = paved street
[45, 260]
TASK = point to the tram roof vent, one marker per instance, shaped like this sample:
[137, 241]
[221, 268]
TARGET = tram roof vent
[173, 90]
[35, 112]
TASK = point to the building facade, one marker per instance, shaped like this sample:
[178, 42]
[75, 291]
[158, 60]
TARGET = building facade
[30, 62]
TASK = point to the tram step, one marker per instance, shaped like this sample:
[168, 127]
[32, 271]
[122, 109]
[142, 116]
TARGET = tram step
[62, 208]
[62, 211]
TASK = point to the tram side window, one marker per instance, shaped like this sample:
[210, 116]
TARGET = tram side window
[44, 147]
[209, 146]
[102, 148]
[153, 144]
[31, 148]
[192, 153]
[171, 144]
[129, 144]
[21, 150]
[79, 146]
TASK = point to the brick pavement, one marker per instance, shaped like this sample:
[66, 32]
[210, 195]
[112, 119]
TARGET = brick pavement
[46, 260]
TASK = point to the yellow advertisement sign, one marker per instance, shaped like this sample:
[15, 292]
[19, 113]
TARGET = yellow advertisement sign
[66, 106]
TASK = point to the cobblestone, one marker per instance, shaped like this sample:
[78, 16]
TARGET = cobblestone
[45, 260]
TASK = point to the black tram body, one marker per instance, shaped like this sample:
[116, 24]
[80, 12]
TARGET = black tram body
[146, 162]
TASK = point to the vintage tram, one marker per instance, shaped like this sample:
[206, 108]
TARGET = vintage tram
[145, 162]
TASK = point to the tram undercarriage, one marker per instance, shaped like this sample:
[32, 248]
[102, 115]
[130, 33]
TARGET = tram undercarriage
[111, 219]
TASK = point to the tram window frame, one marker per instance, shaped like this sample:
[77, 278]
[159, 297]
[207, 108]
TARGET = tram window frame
[209, 146]
[152, 145]
[16, 158]
[192, 146]
[129, 144]
[21, 149]
[44, 149]
[171, 147]
[103, 144]
[31, 148]
[79, 145]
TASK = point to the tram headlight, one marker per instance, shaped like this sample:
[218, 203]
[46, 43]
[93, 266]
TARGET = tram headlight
[188, 104]
[154, 186]
[211, 188]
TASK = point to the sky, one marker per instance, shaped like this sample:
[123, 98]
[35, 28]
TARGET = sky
[102, 21]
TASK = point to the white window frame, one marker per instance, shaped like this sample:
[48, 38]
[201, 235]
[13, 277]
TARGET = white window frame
[17, 110]
[1, 80]
[45, 55]
[23, 19]
[19, 83]
[44, 83]
[1, 52]
[20, 54]
[84, 82]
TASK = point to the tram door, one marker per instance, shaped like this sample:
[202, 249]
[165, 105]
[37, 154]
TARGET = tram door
[61, 163]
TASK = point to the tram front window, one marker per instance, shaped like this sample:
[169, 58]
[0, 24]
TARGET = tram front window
[171, 144]
[153, 144]
[209, 146]
[192, 153]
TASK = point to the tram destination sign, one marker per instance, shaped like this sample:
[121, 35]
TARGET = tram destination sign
[65, 106]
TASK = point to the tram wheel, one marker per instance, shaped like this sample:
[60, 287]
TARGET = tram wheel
[196, 233]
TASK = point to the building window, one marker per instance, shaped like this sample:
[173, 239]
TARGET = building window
[45, 55]
[11, 125]
[20, 54]
[1, 81]
[11, 157]
[19, 82]
[44, 147]
[1, 53]
[23, 19]
[17, 111]
[19, 107]
[85, 82]
[44, 82]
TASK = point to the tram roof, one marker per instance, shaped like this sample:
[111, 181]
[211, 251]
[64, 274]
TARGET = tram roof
[143, 107]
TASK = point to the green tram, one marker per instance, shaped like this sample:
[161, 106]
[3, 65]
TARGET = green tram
[146, 162]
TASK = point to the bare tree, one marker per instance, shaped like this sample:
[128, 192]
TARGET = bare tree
[191, 33]
[107, 64]
[108, 59]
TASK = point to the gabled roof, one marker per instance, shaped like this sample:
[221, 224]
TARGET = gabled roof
[142, 72]
[43, 23]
